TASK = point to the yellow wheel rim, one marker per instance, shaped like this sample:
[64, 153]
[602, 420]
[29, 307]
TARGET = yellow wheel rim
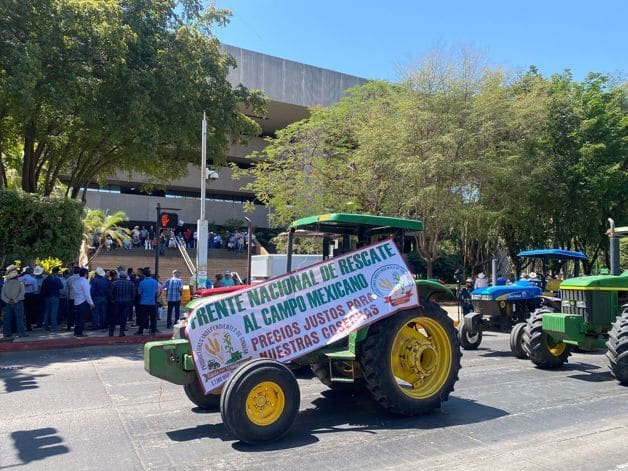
[557, 349]
[421, 357]
[265, 403]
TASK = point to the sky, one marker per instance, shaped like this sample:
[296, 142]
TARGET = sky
[380, 39]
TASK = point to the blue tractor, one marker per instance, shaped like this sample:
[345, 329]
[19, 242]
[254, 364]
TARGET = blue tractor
[506, 308]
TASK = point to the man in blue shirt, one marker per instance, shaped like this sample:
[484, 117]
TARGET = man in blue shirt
[147, 291]
[174, 289]
[228, 279]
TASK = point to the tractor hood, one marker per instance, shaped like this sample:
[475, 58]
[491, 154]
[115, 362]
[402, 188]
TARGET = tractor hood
[599, 282]
[522, 289]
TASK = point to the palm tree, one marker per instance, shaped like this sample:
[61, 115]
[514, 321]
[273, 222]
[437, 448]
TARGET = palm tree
[99, 225]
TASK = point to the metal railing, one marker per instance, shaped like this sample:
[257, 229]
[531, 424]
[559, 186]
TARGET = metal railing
[186, 256]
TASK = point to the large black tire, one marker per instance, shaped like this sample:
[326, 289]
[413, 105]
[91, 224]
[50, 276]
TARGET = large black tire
[194, 392]
[420, 344]
[516, 340]
[536, 346]
[321, 371]
[467, 341]
[617, 344]
[260, 401]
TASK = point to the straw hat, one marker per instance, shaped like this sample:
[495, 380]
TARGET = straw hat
[38, 270]
[100, 271]
[481, 275]
[532, 274]
[11, 274]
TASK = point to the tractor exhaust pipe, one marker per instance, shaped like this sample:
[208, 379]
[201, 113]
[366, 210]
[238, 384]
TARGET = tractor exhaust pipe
[614, 249]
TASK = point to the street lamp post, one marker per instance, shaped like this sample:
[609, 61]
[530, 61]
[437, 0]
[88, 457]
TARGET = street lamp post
[201, 224]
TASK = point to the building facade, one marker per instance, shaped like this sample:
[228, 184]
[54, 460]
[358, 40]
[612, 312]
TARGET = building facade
[291, 88]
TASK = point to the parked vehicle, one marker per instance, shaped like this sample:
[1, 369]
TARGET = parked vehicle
[594, 314]
[359, 319]
[506, 308]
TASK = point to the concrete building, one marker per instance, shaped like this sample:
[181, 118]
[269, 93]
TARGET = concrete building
[291, 88]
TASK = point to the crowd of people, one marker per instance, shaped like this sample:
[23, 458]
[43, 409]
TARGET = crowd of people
[147, 239]
[72, 297]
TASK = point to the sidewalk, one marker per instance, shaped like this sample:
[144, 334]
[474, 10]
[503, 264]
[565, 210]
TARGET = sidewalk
[40, 339]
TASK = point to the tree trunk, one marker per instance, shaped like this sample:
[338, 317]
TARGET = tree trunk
[28, 165]
[430, 267]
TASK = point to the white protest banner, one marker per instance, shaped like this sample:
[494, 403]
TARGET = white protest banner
[294, 314]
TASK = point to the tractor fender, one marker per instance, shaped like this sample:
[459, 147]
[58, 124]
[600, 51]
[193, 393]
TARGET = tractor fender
[472, 322]
[429, 290]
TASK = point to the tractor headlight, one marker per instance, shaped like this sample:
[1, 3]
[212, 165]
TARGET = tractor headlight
[581, 304]
[565, 303]
[476, 296]
[486, 297]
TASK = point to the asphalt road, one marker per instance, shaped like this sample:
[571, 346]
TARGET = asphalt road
[95, 408]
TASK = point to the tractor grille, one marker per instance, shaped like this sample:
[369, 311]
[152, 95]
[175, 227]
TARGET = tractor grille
[595, 306]
[576, 302]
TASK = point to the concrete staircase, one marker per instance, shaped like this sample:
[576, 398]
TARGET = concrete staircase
[218, 260]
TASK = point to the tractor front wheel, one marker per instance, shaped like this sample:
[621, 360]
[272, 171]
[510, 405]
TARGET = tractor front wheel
[195, 393]
[617, 344]
[468, 341]
[543, 352]
[410, 360]
[516, 340]
[260, 401]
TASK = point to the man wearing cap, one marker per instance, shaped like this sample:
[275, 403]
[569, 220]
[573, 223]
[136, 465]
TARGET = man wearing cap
[30, 297]
[228, 279]
[147, 290]
[174, 289]
[82, 301]
[123, 295]
[50, 291]
[12, 295]
[100, 291]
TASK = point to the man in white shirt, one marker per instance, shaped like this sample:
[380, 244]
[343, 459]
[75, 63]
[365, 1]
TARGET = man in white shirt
[71, 283]
[82, 301]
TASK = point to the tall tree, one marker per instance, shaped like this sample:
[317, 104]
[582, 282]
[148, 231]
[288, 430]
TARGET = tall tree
[114, 85]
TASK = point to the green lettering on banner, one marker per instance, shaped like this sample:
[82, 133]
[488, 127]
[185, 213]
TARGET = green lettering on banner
[253, 296]
[250, 323]
[386, 251]
[315, 298]
[201, 316]
[344, 266]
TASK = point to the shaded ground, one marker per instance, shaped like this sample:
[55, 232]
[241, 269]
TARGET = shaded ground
[96, 408]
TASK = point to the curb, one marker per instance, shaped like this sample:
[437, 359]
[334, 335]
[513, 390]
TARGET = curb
[74, 342]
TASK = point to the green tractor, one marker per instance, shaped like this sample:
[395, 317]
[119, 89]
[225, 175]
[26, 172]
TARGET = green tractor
[408, 359]
[594, 314]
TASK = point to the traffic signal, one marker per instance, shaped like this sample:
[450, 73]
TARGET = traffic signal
[168, 219]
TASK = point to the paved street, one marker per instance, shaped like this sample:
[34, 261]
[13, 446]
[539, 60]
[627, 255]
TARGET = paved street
[96, 408]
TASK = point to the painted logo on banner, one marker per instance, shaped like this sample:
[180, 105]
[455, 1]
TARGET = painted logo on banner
[292, 315]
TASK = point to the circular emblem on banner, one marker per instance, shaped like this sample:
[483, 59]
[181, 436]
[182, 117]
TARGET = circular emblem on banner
[387, 278]
[220, 346]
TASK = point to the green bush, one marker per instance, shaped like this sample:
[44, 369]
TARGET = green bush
[34, 226]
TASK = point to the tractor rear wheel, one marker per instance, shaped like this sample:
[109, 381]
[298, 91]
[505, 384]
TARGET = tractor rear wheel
[617, 344]
[516, 340]
[468, 341]
[410, 360]
[260, 401]
[537, 345]
[195, 393]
